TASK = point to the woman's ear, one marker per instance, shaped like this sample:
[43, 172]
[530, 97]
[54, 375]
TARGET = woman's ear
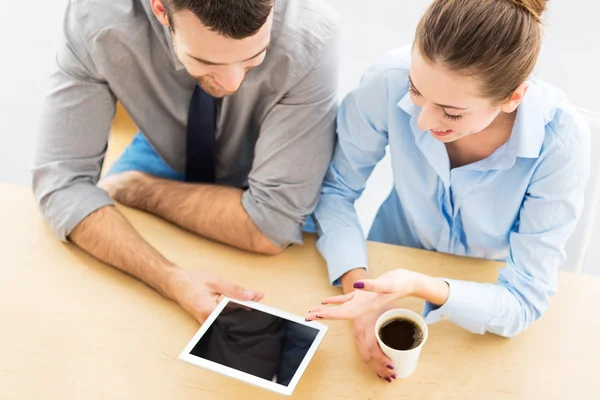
[515, 99]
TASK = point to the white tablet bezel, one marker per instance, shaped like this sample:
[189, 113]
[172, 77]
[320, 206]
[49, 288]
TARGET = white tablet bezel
[245, 377]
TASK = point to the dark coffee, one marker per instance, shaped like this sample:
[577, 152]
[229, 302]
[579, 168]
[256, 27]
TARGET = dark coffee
[401, 334]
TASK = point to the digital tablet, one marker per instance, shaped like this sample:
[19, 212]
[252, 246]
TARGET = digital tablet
[256, 344]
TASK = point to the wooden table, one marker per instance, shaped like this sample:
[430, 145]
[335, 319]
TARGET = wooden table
[74, 328]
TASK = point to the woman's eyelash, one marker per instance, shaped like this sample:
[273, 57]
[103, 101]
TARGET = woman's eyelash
[451, 117]
[412, 90]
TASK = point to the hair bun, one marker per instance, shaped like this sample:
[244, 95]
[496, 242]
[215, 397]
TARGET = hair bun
[534, 7]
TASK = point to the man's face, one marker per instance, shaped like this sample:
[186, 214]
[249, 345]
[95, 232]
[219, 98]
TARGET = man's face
[219, 64]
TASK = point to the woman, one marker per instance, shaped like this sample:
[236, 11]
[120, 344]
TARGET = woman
[487, 162]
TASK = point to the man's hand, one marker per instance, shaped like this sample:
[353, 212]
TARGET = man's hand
[122, 187]
[198, 292]
[108, 236]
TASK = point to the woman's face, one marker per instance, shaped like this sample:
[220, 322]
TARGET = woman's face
[451, 107]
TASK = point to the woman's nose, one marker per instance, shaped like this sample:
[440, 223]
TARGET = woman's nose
[427, 119]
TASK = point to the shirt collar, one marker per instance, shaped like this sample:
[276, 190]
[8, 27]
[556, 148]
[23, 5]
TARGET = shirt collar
[178, 65]
[529, 129]
[161, 30]
[408, 106]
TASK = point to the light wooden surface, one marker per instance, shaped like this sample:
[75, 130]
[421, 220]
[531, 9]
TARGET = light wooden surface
[122, 132]
[73, 328]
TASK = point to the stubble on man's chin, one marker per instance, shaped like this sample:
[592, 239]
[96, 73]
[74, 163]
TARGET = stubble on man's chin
[211, 90]
[214, 90]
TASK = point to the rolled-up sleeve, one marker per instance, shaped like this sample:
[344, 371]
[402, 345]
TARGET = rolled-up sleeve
[294, 149]
[362, 139]
[547, 218]
[73, 134]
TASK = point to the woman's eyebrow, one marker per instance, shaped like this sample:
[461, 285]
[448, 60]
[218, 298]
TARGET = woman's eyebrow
[439, 105]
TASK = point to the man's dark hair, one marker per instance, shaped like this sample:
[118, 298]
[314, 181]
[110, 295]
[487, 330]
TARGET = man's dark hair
[235, 19]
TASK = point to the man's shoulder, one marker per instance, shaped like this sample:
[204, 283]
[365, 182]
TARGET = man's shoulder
[305, 28]
[94, 16]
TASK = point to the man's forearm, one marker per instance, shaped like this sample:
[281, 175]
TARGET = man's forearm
[108, 236]
[215, 212]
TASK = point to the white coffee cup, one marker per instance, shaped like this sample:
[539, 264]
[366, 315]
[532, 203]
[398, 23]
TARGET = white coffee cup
[405, 361]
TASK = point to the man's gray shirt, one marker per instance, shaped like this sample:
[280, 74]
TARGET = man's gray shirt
[275, 135]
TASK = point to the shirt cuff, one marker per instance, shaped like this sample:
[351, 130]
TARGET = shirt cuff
[67, 207]
[344, 250]
[460, 308]
[280, 229]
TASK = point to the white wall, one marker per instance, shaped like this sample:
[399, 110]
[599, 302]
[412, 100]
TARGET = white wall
[28, 36]
[570, 54]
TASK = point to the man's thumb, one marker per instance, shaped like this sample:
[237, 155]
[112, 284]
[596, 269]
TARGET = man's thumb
[234, 291]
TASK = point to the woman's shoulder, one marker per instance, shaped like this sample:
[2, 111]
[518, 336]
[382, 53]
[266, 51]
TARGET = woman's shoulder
[390, 73]
[395, 63]
[564, 123]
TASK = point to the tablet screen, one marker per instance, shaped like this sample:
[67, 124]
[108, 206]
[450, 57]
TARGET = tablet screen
[257, 343]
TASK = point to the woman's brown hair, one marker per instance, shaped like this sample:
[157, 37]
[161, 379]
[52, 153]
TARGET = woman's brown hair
[497, 41]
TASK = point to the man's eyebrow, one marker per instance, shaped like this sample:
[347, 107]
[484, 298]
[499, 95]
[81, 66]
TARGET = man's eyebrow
[439, 105]
[214, 63]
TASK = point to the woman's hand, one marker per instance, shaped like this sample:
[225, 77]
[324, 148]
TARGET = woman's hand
[350, 306]
[373, 294]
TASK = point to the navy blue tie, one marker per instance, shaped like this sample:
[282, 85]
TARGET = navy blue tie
[201, 138]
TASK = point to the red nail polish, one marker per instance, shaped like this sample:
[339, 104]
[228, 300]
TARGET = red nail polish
[388, 379]
[390, 366]
[359, 285]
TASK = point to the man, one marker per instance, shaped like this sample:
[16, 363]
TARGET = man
[235, 97]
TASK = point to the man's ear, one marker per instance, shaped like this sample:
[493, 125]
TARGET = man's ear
[160, 11]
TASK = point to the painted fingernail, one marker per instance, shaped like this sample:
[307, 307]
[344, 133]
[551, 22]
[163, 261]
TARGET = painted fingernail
[388, 379]
[394, 376]
[318, 316]
[390, 366]
[307, 320]
[359, 285]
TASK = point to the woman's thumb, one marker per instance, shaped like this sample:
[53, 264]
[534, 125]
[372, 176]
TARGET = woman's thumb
[372, 285]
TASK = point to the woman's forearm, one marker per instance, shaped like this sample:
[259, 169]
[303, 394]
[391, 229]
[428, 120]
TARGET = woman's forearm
[434, 290]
